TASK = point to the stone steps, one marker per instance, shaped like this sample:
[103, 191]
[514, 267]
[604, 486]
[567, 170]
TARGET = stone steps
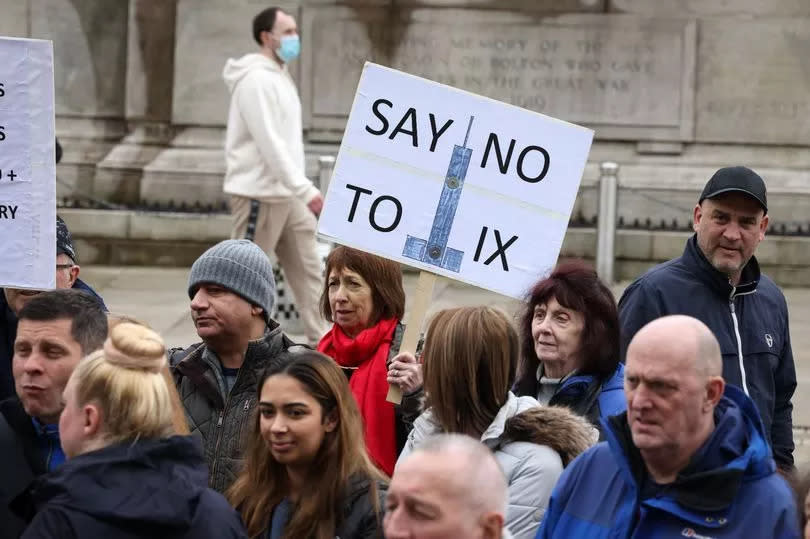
[128, 237]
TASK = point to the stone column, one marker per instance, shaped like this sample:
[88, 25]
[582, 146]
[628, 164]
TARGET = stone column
[149, 80]
[14, 22]
[89, 45]
[208, 32]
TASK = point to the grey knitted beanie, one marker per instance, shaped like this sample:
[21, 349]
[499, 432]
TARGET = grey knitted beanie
[241, 267]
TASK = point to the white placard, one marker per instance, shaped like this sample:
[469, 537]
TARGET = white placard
[454, 183]
[27, 164]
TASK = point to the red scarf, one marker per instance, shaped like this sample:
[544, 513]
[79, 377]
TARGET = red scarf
[368, 353]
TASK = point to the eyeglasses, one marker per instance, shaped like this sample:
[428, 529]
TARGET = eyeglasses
[64, 266]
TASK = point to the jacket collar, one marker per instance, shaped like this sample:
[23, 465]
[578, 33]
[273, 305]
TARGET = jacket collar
[22, 425]
[426, 425]
[735, 450]
[259, 351]
[512, 407]
[694, 258]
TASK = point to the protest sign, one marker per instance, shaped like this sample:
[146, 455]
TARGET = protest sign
[27, 164]
[454, 183]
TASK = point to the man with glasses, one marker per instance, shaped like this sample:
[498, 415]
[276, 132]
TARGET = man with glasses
[14, 299]
[272, 201]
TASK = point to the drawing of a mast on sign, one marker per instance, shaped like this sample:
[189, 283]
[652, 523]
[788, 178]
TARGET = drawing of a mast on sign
[435, 250]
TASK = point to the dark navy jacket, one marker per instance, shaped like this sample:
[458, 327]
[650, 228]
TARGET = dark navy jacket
[22, 461]
[584, 395]
[8, 332]
[146, 489]
[730, 489]
[690, 285]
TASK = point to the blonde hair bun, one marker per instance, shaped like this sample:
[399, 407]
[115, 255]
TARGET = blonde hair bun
[135, 347]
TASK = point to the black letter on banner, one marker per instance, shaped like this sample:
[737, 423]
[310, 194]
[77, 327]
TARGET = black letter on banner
[493, 141]
[376, 109]
[437, 134]
[373, 210]
[398, 129]
[2, 90]
[2, 134]
[546, 162]
[358, 192]
[481, 239]
[501, 250]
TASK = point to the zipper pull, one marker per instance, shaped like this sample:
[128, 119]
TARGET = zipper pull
[247, 405]
[221, 416]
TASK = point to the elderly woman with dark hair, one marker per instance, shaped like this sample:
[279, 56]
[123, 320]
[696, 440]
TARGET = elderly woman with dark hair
[570, 344]
[363, 296]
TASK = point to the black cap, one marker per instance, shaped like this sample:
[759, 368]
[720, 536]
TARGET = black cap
[64, 242]
[740, 179]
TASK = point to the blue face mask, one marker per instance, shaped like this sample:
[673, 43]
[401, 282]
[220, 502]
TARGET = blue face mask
[290, 48]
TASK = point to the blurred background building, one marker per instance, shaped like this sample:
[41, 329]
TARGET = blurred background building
[674, 89]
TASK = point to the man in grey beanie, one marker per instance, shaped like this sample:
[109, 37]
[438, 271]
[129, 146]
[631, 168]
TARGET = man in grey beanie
[232, 290]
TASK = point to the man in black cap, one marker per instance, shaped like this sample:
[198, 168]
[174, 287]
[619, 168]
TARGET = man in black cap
[12, 300]
[717, 280]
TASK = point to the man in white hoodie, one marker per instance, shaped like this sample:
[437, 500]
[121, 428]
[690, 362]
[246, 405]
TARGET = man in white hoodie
[273, 203]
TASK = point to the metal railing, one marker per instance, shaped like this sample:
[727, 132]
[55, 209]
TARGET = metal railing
[606, 221]
[326, 165]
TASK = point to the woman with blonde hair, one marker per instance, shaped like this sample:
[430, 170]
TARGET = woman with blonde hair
[127, 475]
[307, 473]
[178, 412]
[470, 357]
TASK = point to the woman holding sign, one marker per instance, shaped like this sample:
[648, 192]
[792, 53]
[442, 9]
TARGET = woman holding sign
[364, 298]
[470, 358]
[570, 344]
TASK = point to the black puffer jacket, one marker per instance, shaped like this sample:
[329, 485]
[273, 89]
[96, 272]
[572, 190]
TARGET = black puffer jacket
[149, 489]
[220, 418]
[360, 518]
[21, 463]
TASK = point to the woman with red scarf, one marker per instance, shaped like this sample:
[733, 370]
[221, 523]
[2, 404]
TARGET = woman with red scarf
[364, 298]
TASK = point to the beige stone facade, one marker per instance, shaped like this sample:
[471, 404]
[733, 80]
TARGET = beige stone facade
[674, 89]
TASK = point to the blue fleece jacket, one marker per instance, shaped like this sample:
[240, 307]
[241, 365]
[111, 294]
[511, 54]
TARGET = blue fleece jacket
[730, 489]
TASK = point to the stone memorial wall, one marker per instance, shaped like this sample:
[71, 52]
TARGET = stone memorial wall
[626, 77]
[754, 91]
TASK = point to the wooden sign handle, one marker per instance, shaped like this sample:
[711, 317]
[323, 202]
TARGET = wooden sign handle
[416, 316]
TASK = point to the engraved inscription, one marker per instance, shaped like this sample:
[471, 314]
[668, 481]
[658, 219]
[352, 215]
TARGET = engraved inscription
[619, 75]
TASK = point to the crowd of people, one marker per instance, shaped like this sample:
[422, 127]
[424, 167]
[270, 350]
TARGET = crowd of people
[667, 414]
[549, 422]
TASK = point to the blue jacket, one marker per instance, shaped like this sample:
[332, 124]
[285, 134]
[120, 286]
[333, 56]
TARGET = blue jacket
[584, 395]
[146, 489]
[730, 488]
[8, 332]
[750, 322]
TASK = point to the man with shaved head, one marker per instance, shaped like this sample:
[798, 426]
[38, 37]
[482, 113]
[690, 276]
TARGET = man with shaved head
[450, 487]
[689, 458]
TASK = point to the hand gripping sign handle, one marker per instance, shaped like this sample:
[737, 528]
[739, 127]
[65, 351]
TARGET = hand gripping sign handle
[421, 300]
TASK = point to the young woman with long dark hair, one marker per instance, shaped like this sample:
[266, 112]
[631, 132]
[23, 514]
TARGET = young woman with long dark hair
[307, 475]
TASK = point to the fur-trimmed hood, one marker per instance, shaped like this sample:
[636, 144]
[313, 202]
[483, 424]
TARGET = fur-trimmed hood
[532, 444]
[523, 419]
[556, 427]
